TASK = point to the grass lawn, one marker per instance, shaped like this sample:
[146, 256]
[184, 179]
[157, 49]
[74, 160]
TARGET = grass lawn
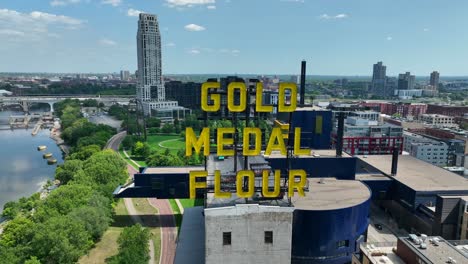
[174, 143]
[154, 140]
[108, 246]
[187, 203]
[177, 214]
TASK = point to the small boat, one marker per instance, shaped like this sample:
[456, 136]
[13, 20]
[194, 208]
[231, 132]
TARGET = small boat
[51, 161]
[41, 148]
[47, 155]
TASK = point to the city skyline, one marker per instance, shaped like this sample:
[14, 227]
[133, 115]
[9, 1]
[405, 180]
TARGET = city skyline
[206, 36]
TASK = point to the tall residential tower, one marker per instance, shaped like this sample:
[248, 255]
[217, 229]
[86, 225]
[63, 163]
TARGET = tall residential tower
[434, 79]
[150, 92]
[150, 84]
[379, 80]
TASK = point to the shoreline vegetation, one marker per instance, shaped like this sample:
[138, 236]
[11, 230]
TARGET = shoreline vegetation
[65, 225]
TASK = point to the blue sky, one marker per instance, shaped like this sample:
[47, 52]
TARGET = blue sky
[336, 37]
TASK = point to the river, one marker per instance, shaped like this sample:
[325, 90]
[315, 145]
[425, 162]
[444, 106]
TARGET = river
[23, 170]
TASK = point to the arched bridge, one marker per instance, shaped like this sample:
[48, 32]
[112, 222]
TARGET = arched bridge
[26, 101]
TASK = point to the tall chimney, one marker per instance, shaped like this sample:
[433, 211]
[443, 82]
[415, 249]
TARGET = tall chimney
[339, 135]
[303, 76]
[395, 153]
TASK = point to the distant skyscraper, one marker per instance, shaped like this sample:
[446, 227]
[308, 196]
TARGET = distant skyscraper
[379, 77]
[150, 86]
[406, 81]
[124, 75]
[434, 80]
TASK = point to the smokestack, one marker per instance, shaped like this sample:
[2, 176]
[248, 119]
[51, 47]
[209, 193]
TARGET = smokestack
[395, 153]
[339, 135]
[303, 76]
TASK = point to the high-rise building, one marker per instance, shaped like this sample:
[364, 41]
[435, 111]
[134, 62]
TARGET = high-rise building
[124, 75]
[150, 92]
[150, 85]
[434, 79]
[406, 81]
[379, 81]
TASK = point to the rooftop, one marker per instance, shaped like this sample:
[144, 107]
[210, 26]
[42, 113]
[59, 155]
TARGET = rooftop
[315, 153]
[417, 174]
[381, 252]
[323, 196]
[191, 240]
[169, 170]
[436, 253]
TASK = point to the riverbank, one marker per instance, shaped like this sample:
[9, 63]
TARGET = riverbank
[56, 135]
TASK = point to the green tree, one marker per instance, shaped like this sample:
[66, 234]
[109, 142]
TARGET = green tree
[153, 122]
[32, 260]
[66, 172]
[63, 200]
[140, 149]
[167, 128]
[133, 246]
[95, 220]
[60, 240]
[84, 152]
[17, 231]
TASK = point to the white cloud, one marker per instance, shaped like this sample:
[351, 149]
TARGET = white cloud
[63, 2]
[328, 17]
[194, 27]
[170, 44]
[133, 12]
[188, 3]
[389, 38]
[11, 32]
[112, 2]
[426, 30]
[234, 52]
[194, 51]
[35, 25]
[107, 42]
[51, 18]
[211, 7]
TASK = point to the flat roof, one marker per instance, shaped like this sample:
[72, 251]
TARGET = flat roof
[436, 254]
[331, 194]
[191, 241]
[166, 170]
[381, 252]
[315, 153]
[417, 174]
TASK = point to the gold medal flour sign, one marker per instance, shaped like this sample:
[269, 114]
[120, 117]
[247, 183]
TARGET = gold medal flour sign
[297, 178]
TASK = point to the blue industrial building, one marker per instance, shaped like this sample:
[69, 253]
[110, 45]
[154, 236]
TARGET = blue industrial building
[417, 194]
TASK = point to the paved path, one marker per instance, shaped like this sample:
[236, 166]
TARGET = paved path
[114, 143]
[168, 230]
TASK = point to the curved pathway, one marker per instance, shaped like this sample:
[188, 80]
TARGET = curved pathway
[114, 144]
[167, 224]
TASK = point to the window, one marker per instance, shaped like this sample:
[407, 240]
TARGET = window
[226, 238]
[268, 237]
[342, 243]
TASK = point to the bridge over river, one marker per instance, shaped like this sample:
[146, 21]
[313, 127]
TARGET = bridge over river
[26, 101]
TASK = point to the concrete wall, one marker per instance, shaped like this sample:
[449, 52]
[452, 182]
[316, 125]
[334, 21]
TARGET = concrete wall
[247, 224]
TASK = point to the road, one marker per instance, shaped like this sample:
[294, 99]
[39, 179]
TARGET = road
[114, 144]
[167, 224]
[389, 232]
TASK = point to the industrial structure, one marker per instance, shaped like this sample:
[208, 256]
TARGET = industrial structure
[327, 224]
